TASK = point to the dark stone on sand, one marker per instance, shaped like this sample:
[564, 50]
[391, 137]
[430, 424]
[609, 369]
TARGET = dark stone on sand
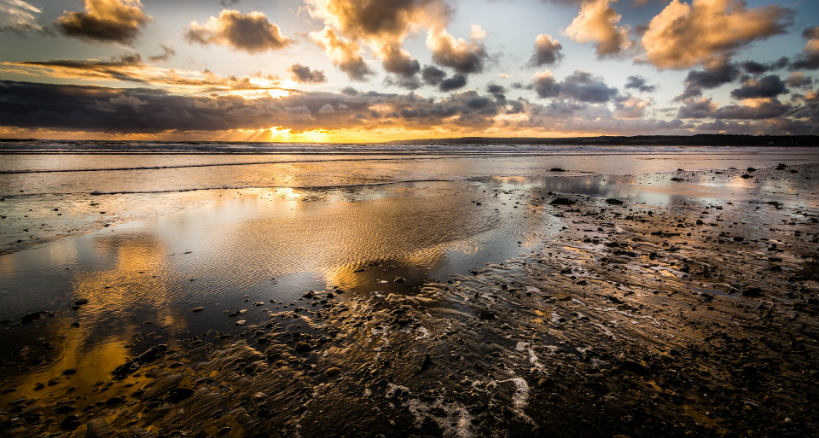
[486, 314]
[676, 179]
[302, 347]
[634, 367]
[197, 309]
[148, 356]
[557, 169]
[69, 372]
[425, 364]
[176, 395]
[70, 422]
[31, 317]
[114, 401]
[746, 176]
[612, 201]
[738, 238]
[80, 302]
[562, 201]
[752, 292]
[332, 372]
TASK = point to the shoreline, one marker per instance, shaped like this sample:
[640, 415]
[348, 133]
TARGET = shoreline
[634, 320]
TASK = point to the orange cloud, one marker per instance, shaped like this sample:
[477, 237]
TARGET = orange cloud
[707, 31]
[597, 23]
[251, 32]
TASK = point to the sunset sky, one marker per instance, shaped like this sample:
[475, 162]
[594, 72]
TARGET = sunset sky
[362, 71]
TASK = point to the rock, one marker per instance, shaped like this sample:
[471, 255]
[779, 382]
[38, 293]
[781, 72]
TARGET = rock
[240, 322]
[259, 396]
[425, 364]
[486, 314]
[612, 201]
[752, 292]
[176, 395]
[81, 302]
[332, 372]
[399, 280]
[70, 422]
[562, 201]
[31, 317]
[69, 372]
[197, 309]
[302, 347]
[99, 428]
[635, 367]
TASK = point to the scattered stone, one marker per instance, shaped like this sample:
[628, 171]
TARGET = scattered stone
[197, 309]
[332, 372]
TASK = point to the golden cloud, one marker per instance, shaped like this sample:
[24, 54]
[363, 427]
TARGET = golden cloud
[117, 21]
[597, 22]
[707, 31]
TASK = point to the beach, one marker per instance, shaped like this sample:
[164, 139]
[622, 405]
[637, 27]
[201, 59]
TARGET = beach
[633, 291]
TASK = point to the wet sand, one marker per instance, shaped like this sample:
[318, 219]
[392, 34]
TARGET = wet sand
[692, 318]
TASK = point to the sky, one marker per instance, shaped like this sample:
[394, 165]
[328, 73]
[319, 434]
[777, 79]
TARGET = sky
[371, 71]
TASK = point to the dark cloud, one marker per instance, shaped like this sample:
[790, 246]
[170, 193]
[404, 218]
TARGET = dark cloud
[497, 91]
[767, 86]
[797, 79]
[118, 21]
[705, 108]
[757, 68]
[710, 78]
[452, 83]
[432, 75]
[547, 51]
[639, 83]
[546, 85]
[303, 74]
[251, 32]
[167, 53]
[696, 109]
[120, 68]
[399, 62]
[584, 87]
[766, 110]
[464, 57]
[809, 58]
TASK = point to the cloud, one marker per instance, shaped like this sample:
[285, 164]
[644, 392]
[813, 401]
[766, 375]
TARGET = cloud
[496, 91]
[398, 61]
[639, 83]
[167, 53]
[697, 109]
[432, 75]
[346, 55]
[753, 109]
[547, 51]
[707, 31]
[18, 16]
[303, 74]
[767, 86]
[382, 25]
[712, 77]
[765, 109]
[546, 85]
[809, 58]
[757, 68]
[597, 22]
[462, 56]
[251, 32]
[797, 79]
[630, 107]
[110, 21]
[131, 68]
[452, 83]
[584, 87]
[96, 111]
